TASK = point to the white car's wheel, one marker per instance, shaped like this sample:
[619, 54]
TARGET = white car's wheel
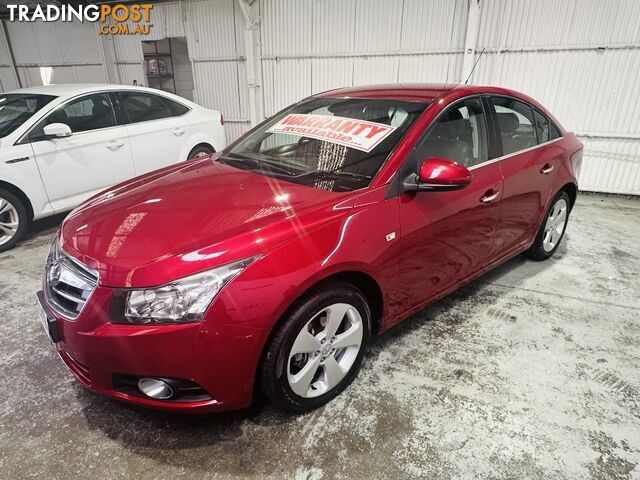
[199, 152]
[13, 220]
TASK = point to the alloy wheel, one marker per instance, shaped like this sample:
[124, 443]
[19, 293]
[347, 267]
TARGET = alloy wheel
[555, 225]
[9, 221]
[324, 350]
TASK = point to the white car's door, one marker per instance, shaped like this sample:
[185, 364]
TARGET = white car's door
[97, 154]
[156, 129]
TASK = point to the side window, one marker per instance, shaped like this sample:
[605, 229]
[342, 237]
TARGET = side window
[460, 134]
[90, 112]
[177, 109]
[142, 107]
[554, 132]
[542, 126]
[515, 124]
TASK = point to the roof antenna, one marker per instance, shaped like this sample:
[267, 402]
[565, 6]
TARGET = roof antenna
[474, 67]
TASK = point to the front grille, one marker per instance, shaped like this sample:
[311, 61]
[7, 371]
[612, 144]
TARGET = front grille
[68, 283]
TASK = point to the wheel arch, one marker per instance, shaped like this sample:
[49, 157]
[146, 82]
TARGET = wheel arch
[202, 144]
[20, 194]
[572, 191]
[359, 279]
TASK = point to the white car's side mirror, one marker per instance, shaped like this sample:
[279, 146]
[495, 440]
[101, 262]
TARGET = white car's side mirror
[59, 130]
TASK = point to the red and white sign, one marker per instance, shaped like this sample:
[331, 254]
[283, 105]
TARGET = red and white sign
[350, 132]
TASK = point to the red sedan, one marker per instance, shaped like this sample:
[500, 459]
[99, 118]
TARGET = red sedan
[271, 264]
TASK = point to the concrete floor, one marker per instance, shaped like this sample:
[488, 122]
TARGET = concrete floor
[530, 372]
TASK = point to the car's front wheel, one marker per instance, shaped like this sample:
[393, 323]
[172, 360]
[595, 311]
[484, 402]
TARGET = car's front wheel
[552, 229]
[13, 220]
[318, 348]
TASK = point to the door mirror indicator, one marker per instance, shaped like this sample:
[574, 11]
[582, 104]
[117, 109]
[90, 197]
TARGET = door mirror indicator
[57, 130]
[436, 175]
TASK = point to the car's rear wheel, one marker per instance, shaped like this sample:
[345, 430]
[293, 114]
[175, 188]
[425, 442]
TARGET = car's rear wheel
[199, 152]
[318, 348]
[552, 229]
[13, 220]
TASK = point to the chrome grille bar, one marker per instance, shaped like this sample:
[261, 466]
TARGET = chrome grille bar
[68, 283]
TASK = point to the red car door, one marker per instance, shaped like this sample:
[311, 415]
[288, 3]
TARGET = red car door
[529, 158]
[446, 236]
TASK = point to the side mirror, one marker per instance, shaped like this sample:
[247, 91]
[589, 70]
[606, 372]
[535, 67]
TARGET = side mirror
[436, 175]
[57, 130]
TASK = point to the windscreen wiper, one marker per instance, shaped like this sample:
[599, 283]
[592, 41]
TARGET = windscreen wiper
[260, 164]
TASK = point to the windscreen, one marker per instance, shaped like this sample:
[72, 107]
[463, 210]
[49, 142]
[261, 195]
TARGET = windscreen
[17, 108]
[333, 144]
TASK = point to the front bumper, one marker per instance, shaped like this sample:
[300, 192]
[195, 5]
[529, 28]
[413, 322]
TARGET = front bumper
[220, 357]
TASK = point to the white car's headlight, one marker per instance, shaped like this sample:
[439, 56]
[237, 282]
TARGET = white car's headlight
[181, 301]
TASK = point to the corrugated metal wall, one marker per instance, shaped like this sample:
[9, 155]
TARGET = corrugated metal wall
[310, 46]
[72, 51]
[581, 58]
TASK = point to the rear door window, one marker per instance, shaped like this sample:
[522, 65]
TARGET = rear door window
[143, 107]
[515, 124]
[542, 126]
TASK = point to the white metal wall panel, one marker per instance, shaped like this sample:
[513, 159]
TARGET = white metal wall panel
[285, 82]
[45, 43]
[132, 71]
[434, 24]
[7, 79]
[128, 48]
[378, 26]
[234, 130]
[535, 23]
[212, 30]
[611, 165]
[31, 76]
[330, 73]
[216, 86]
[438, 68]
[168, 21]
[375, 70]
[333, 26]
[287, 27]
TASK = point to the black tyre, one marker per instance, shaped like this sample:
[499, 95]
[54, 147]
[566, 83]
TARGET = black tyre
[318, 348]
[552, 229]
[200, 151]
[14, 220]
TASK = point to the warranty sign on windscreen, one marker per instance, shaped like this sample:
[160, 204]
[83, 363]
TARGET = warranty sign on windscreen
[350, 132]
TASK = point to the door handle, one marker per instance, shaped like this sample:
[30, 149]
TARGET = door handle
[546, 169]
[489, 196]
[114, 144]
[178, 131]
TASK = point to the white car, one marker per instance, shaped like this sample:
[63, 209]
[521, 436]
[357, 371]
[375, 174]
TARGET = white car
[61, 144]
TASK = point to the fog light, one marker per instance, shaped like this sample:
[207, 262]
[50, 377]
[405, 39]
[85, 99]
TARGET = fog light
[155, 388]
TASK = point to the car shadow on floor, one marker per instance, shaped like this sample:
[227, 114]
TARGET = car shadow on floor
[44, 226]
[151, 433]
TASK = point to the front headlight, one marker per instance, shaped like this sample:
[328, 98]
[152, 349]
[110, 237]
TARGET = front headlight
[181, 301]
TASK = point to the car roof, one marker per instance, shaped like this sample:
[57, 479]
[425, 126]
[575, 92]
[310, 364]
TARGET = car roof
[425, 92]
[420, 92]
[74, 88]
